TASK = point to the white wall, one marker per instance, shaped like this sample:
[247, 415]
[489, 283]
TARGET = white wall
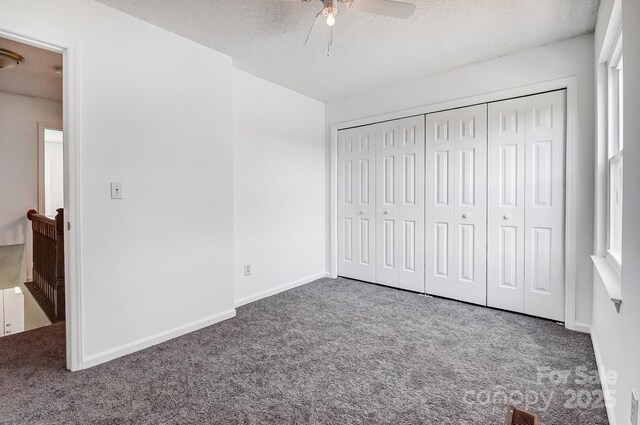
[617, 335]
[19, 117]
[279, 186]
[158, 262]
[572, 57]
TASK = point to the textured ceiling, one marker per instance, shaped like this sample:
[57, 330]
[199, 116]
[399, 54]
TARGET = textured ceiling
[266, 37]
[36, 76]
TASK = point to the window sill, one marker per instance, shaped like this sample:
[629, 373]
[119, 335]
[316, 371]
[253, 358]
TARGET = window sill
[611, 279]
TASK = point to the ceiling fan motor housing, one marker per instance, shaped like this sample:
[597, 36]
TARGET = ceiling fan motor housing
[330, 7]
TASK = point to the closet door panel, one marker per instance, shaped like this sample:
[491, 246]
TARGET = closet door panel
[411, 209]
[526, 205]
[470, 205]
[505, 197]
[389, 190]
[400, 203]
[356, 203]
[544, 205]
[440, 210]
[456, 204]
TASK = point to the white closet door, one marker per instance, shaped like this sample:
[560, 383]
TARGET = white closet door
[386, 195]
[456, 204]
[356, 203]
[544, 205]
[410, 203]
[526, 205]
[505, 215]
[400, 206]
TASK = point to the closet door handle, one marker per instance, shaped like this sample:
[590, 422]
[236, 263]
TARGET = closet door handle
[361, 212]
[386, 212]
[506, 217]
[465, 215]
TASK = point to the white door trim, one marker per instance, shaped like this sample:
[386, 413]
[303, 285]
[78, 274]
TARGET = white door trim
[26, 33]
[568, 83]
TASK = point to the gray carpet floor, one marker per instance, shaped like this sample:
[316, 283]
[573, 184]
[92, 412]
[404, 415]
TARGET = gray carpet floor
[330, 352]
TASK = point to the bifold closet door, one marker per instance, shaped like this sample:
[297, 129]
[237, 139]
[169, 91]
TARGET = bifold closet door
[456, 204]
[356, 203]
[526, 198]
[400, 203]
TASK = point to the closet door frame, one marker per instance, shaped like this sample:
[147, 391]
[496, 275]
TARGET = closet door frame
[568, 83]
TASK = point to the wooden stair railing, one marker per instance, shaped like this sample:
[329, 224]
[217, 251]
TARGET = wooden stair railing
[47, 286]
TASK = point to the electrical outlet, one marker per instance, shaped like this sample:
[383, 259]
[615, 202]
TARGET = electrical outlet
[634, 408]
[247, 269]
[116, 190]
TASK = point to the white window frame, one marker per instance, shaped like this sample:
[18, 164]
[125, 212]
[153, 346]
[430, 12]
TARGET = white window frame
[615, 152]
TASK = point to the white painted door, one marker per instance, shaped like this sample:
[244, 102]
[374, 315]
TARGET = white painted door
[456, 204]
[400, 203]
[544, 205]
[13, 300]
[356, 203]
[526, 205]
[505, 199]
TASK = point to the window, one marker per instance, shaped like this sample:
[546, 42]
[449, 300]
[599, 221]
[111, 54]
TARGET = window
[615, 150]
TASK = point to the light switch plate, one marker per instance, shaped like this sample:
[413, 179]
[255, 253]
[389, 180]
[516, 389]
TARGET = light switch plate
[247, 269]
[116, 190]
[634, 408]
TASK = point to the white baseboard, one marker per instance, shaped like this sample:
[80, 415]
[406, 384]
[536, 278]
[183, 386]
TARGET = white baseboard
[278, 289]
[141, 344]
[603, 379]
[582, 327]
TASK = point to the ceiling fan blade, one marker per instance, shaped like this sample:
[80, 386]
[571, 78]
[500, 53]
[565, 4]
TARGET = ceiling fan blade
[395, 9]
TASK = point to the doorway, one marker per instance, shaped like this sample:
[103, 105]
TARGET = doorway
[50, 168]
[33, 156]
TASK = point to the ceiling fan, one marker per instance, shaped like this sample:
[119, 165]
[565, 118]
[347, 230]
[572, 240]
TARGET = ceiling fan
[392, 8]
